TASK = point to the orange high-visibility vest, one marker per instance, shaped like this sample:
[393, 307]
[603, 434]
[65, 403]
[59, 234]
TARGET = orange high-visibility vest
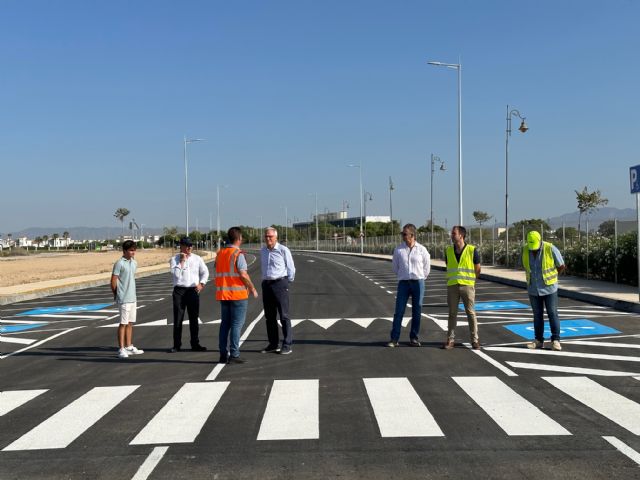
[229, 285]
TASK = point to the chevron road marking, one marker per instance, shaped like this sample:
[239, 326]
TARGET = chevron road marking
[292, 411]
[11, 400]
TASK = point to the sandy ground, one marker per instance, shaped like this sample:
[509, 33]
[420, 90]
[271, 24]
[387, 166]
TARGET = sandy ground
[55, 265]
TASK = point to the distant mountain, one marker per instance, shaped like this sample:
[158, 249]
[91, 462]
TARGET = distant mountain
[595, 218]
[82, 233]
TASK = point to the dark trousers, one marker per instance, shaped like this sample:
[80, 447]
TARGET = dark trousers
[275, 300]
[189, 300]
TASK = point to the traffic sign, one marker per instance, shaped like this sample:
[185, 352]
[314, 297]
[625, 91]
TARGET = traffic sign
[634, 179]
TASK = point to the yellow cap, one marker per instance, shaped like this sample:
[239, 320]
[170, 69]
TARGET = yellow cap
[533, 240]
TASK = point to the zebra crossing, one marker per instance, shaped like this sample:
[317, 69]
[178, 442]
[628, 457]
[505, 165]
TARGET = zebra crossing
[293, 410]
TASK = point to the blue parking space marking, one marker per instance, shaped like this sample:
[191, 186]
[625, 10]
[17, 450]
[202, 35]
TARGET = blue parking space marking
[568, 328]
[19, 328]
[501, 305]
[69, 309]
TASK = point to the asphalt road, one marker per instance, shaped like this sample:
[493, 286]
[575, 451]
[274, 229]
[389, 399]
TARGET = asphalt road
[342, 405]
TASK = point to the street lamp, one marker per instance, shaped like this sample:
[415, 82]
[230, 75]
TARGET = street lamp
[186, 183]
[391, 205]
[523, 128]
[434, 159]
[370, 197]
[458, 67]
[286, 224]
[317, 226]
[218, 216]
[361, 198]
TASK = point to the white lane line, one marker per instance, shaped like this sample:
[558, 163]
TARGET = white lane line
[624, 448]
[610, 404]
[514, 414]
[492, 361]
[62, 428]
[12, 399]
[218, 368]
[292, 411]
[60, 316]
[33, 345]
[150, 463]
[399, 410]
[576, 370]
[23, 341]
[182, 417]
[603, 344]
[599, 356]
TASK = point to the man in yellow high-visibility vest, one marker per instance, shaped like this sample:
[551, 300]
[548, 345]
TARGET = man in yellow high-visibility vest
[463, 267]
[543, 263]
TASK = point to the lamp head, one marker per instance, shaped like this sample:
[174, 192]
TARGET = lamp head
[523, 126]
[443, 167]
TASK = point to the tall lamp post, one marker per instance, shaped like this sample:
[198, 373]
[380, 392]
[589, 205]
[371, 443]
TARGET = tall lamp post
[458, 67]
[317, 226]
[359, 166]
[367, 195]
[186, 182]
[523, 128]
[219, 239]
[286, 224]
[434, 160]
[391, 205]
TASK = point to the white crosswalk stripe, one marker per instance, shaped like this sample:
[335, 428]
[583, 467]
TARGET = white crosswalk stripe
[11, 400]
[399, 410]
[607, 403]
[59, 430]
[514, 414]
[292, 411]
[182, 418]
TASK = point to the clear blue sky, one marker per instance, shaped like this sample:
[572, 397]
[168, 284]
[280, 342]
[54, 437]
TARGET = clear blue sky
[96, 97]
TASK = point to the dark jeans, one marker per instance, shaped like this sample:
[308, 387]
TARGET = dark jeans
[275, 300]
[233, 313]
[189, 300]
[550, 304]
[406, 289]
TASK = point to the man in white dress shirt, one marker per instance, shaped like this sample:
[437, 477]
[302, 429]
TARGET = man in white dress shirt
[189, 274]
[412, 264]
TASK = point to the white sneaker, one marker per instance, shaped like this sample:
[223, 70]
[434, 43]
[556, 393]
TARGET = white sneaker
[535, 344]
[131, 350]
[122, 353]
[555, 345]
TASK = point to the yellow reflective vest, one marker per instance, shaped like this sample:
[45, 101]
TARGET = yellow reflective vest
[549, 270]
[461, 272]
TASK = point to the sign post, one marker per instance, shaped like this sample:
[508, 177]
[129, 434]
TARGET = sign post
[634, 181]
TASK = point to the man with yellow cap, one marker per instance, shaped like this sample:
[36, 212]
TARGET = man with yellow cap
[543, 263]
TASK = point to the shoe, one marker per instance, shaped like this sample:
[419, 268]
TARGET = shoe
[414, 342]
[475, 345]
[122, 353]
[239, 360]
[270, 349]
[174, 350]
[449, 344]
[131, 350]
[223, 360]
[536, 344]
[555, 345]
[198, 348]
[285, 351]
[393, 344]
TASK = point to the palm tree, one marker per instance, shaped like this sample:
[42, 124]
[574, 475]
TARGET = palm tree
[38, 240]
[56, 236]
[65, 235]
[45, 239]
[120, 214]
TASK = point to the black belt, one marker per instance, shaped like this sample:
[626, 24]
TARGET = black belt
[274, 281]
[178, 287]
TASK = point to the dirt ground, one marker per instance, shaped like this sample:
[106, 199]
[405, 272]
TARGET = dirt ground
[55, 265]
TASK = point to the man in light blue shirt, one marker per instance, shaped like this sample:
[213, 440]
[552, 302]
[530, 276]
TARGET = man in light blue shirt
[278, 270]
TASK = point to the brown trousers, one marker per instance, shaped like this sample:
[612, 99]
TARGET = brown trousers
[466, 293]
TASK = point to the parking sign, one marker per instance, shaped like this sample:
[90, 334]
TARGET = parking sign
[634, 179]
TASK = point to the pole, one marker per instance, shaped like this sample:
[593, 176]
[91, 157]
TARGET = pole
[638, 238]
[506, 188]
[186, 187]
[317, 228]
[391, 205]
[431, 218]
[286, 225]
[361, 199]
[460, 141]
[218, 214]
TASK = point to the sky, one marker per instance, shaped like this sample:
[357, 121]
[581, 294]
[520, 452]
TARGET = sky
[97, 97]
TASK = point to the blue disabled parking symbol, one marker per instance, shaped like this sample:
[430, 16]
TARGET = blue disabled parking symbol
[19, 328]
[499, 305]
[579, 327]
[69, 309]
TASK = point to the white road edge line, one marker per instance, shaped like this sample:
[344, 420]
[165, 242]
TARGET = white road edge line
[577, 370]
[218, 368]
[493, 362]
[150, 463]
[37, 344]
[624, 448]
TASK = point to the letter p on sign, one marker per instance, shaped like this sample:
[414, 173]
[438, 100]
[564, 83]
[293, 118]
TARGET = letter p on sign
[634, 179]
